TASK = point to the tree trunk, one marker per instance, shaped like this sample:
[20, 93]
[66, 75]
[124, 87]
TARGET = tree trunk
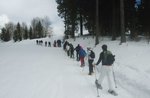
[114, 20]
[81, 24]
[97, 23]
[123, 38]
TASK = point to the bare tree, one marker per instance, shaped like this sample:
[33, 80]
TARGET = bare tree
[24, 30]
[46, 25]
[10, 27]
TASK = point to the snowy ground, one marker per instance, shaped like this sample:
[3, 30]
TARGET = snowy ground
[28, 70]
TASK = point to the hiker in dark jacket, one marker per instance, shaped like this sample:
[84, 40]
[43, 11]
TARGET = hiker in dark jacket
[77, 52]
[71, 51]
[64, 45]
[106, 70]
[59, 43]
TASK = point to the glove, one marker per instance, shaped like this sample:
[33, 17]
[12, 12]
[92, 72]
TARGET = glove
[94, 64]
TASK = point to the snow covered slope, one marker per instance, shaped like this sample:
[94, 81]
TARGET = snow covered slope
[28, 70]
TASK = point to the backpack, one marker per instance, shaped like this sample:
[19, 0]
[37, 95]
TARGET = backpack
[109, 58]
[92, 54]
[82, 53]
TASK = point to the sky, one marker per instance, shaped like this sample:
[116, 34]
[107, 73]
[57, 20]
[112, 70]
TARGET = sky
[25, 10]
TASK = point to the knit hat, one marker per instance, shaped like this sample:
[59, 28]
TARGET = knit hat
[104, 47]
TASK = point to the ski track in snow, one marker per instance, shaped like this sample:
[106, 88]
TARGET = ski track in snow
[28, 70]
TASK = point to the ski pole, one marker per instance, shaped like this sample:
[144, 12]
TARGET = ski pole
[95, 73]
[96, 81]
[114, 78]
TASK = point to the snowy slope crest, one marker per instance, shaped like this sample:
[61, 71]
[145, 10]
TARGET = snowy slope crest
[28, 70]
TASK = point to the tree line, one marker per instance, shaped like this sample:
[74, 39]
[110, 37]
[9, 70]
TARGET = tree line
[39, 28]
[106, 17]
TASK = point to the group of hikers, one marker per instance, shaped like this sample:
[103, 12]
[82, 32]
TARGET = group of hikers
[105, 57]
[40, 42]
[56, 43]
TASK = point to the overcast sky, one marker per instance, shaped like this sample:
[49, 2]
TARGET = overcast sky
[25, 10]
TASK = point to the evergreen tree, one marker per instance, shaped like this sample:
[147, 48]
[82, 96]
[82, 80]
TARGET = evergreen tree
[30, 33]
[131, 17]
[19, 33]
[144, 15]
[15, 36]
[115, 19]
[26, 34]
[39, 29]
[5, 35]
[67, 9]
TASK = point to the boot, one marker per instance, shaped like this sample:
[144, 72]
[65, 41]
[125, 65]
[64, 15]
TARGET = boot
[112, 92]
[98, 85]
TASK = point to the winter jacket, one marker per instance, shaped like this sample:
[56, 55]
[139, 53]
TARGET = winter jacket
[82, 53]
[102, 58]
[91, 55]
[77, 48]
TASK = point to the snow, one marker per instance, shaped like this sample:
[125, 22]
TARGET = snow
[28, 70]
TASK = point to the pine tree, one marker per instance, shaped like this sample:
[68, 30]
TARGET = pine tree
[15, 36]
[30, 33]
[39, 29]
[19, 33]
[144, 15]
[26, 34]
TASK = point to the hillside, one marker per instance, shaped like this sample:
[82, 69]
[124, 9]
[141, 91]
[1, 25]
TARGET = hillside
[28, 70]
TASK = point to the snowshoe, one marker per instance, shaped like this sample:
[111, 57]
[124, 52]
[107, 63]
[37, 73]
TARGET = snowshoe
[89, 74]
[82, 65]
[112, 92]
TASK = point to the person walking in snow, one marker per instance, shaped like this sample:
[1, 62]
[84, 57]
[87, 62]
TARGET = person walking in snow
[37, 42]
[45, 43]
[71, 51]
[49, 44]
[68, 49]
[106, 70]
[77, 52]
[91, 56]
[59, 43]
[82, 55]
[64, 45]
[54, 44]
